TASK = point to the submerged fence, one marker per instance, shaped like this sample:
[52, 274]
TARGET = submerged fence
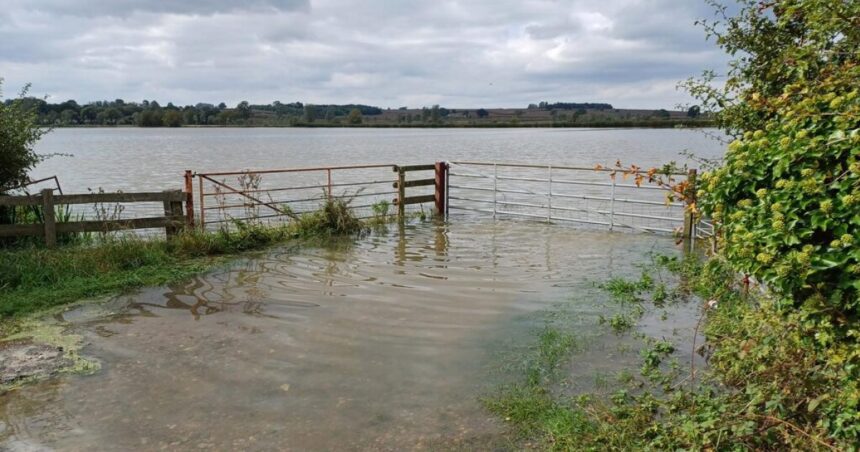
[596, 197]
[590, 197]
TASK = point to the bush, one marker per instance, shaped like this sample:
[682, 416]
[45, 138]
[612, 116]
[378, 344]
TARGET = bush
[19, 132]
[334, 217]
[788, 194]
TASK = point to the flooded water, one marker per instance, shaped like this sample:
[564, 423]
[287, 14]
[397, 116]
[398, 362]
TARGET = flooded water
[380, 343]
[136, 159]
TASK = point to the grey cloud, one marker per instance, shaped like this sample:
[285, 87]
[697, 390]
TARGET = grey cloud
[97, 8]
[384, 52]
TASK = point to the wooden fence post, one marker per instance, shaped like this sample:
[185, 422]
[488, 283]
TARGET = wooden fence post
[401, 192]
[50, 218]
[189, 199]
[173, 211]
[441, 188]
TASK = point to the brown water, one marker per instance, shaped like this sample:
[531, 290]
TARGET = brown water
[153, 159]
[379, 343]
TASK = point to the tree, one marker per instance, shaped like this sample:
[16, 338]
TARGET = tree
[69, 116]
[150, 118]
[434, 114]
[243, 109]
[310, 113]
[89, 114]
[111, 116]
[354, 116]
[190, 115]
[19, 132]
[482, 113]
[225, 117]
[694, 111]
[172, 118]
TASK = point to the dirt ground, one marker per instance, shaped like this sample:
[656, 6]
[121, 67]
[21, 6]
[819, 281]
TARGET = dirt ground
[26, 360]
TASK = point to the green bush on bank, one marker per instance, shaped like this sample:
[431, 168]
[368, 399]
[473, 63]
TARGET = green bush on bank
[787, 196]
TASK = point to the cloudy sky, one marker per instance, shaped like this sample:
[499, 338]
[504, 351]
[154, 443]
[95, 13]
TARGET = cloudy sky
[390, 53]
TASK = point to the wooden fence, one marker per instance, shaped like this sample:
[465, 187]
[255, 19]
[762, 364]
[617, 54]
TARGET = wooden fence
[173, 220]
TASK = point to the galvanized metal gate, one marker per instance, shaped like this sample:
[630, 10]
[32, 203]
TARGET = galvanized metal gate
[591, 197]
[595, 197]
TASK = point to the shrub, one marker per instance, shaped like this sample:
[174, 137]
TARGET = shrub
[19, 132]
[788, 193]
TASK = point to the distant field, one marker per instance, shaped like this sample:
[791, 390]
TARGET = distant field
[499, 117]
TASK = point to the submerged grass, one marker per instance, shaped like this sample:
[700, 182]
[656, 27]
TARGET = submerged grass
[33, 278]
[769, 384]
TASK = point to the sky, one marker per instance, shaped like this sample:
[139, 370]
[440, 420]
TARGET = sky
[388, 53]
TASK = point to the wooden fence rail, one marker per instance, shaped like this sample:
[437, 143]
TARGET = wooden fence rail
[439, 181]
[173, 220]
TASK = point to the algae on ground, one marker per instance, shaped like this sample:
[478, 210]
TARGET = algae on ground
[49, 331]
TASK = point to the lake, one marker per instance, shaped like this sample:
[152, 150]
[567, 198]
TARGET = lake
[136, 159]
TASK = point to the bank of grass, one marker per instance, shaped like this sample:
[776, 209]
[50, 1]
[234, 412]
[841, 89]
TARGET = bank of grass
[768, 386]
[34, 278]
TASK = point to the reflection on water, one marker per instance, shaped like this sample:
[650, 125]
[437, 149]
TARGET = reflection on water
[384, 342]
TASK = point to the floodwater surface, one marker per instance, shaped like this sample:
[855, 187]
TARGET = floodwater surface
[385, 342]
[153, 159]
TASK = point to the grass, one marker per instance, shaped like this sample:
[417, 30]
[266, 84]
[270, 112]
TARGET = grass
[767, 385]
[34, 278]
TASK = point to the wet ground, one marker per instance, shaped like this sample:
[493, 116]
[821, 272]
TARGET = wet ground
[380, 343]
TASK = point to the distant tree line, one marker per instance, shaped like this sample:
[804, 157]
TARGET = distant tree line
[571, 106]
[148, 113]
[152, 114]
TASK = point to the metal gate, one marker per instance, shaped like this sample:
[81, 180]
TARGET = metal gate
[590, 197]
[595, 197]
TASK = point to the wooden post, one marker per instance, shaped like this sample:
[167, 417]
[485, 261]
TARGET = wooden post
[189, 199]
[173, 211]
[328, 177]
[441, 188]
[689, 214]
[50, 219]
[401, 193]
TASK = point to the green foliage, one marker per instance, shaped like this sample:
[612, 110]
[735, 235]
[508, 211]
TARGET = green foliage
[788, 195]
[768, 386]
[354, 116]
[172, 118]
[787, 201]
[381, 216]
[33, 278]
[19, 132]
[334, 217]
